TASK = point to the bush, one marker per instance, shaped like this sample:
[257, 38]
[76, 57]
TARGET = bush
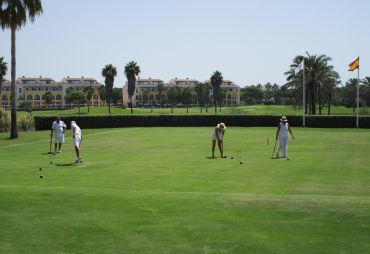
[24, 122]
[92, 122]
[4, 121]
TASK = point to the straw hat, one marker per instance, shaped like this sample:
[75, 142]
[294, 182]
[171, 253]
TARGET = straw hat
[221, 125]
[283, 119]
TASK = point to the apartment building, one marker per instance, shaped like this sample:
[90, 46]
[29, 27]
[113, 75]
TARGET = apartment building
[34, 89]
[147, 93]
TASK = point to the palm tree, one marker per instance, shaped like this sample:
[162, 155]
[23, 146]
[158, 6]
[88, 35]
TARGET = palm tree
[268, 88]
[172, 96]
[109, 72]
[14, 14]
[3, 71]
[89, 92]
[216, 81]
[276, 94]
[350, 91]
[365, 94]
[318, 73]
[186, 98]
[101, 92]
[48, 97]
[199, 91]
[132, 70]
[221, 97]
[161, 89]
[206, 91]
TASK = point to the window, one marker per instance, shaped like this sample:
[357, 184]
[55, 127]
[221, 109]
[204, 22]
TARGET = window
[37, 97]
[59, 97]
[20, 90]
[4, 98]
[29, 97]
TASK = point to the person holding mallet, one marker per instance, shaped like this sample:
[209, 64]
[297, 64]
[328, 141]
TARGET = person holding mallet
[282, 134]
[217, 136]
[77, 138]
[59, 127]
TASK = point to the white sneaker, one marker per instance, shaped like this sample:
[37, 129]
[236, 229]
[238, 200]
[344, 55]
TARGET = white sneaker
[77, 160]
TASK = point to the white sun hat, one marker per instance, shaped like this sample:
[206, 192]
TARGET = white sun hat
[284, 119]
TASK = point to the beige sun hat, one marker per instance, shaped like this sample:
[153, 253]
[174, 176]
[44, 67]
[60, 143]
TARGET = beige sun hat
[283, 119]
[221, 125]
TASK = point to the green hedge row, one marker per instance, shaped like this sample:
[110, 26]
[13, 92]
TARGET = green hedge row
[116, 121]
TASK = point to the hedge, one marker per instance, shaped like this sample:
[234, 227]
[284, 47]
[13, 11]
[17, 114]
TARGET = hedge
[116, 121]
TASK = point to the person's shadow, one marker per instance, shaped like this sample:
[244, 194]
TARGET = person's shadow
[65, 164]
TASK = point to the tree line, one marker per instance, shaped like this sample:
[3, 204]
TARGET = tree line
[323, 87]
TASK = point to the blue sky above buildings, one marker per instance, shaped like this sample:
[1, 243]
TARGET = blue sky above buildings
[250, 42]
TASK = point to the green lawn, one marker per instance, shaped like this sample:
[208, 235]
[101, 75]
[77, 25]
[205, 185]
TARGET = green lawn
[247, 110]
[153, 190]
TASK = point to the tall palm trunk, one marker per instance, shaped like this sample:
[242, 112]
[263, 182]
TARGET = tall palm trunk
[13, 128]
[131, 105]
[329, 103]
[214, 101]
[313, 104]
[319, 99]
[88, 106]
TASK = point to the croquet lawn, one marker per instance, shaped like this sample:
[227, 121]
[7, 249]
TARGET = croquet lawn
[154, 190]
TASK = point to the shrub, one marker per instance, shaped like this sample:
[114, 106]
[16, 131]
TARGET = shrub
[25, 122]
[4, 121]
[92, 122]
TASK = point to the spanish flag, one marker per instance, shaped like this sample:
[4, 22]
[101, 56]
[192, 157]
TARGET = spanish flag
[354, 65]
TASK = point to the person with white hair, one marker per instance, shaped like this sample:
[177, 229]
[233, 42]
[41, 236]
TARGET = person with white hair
[217, 136]
[77, 138]
[59, 127]
[282, 134]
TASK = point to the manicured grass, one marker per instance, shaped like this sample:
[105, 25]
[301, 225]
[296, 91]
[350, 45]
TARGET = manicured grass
[153, 190]
[245, 110]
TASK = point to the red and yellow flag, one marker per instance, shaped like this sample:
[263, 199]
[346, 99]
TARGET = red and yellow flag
[354, 65]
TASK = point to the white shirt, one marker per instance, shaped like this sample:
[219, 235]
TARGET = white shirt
[58, 127]
[77, 130]
[284, 128]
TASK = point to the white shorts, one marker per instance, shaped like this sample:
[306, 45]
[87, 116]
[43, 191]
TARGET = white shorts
[214, 137]
[59, 139]
[77, 142]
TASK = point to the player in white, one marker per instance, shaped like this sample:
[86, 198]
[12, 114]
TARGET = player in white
[282, 134]
[77, 138]
[59, 127]
[217, 136]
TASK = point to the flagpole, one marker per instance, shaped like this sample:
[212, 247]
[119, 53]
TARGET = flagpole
[358, 94]
[304, 99]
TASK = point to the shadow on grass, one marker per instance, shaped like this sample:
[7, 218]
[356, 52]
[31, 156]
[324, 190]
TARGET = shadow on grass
[65, 164]
[210, 157]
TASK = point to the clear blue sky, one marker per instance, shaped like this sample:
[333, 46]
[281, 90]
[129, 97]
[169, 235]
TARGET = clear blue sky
[248, 41]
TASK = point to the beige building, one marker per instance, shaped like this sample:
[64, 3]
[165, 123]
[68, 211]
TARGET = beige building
[34, 89]
[147, 93]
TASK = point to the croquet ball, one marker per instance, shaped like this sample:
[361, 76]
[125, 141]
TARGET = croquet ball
[232, 158]
[41, 176]
[40, 169]
[241, 163]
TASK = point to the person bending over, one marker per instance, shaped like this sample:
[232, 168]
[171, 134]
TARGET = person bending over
[218, 135]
